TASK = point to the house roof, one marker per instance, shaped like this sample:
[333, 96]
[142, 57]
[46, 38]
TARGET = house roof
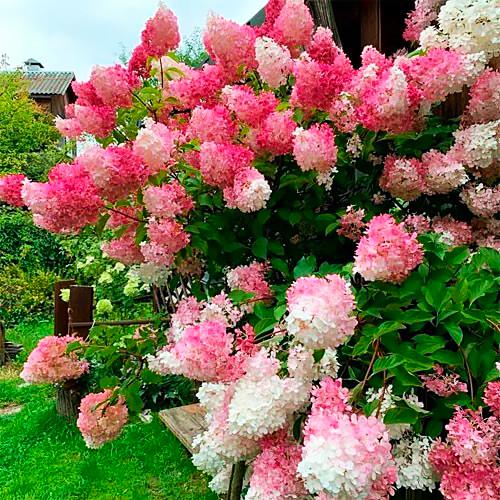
[49, 82]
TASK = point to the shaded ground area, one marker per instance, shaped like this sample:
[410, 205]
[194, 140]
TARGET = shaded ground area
[44, 457]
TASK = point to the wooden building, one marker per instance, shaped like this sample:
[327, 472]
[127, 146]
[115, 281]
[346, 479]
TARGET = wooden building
[357, 23]
[50, 89]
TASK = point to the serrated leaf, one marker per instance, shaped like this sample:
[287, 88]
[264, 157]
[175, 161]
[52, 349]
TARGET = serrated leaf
[387, 363]
[455, 332]
[239, 296]
[428, 343]
[361, 346]
[305, 267]
[264, 325]
[279, 312]
[400, 415]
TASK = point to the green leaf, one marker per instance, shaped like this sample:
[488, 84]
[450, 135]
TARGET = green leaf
[387, 362]
[361, 346]
[318, 355]
[264, 325]
[305, 267]
[295, 217]
[413, 316]
[404, 377]
[279, 312]
[259, 248]
[140, 233]
[455, 332]
[239, 296]
[262, 311]
[400, 415]
[280, 265]
[99, 227]
[435, 293]
[428, 343]
[331, 227]
[457, 255]
[276, 248]
[447, 357]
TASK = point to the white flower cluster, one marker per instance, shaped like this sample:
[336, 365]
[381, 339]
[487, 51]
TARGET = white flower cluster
[275, 61]
[411, 455]
[262, 404]
[345, 459]
[218, 448]
[478, 146]
[383, 396]
[466, 25]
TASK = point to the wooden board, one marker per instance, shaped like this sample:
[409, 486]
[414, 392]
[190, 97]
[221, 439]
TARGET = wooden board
[185, 422]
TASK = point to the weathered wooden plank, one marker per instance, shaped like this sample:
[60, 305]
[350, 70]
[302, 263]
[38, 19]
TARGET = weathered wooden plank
[185, 422]
[3, 356]
[61, 308]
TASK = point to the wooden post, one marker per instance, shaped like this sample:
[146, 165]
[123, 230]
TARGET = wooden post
[81, 309]
[236, 481]
[371, 23]
[322, 12]
[68, 399]
[3, 355]
[61, 308]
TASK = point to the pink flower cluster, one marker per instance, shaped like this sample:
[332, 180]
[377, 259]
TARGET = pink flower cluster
[443, 385]
[166, 237]
[492, 397]
[250, 279]
[97, 100]
[293, 26]
[274, 60]
[467, 460]
[155, 145]
[352, 224]
[274, 470]
[317, 84]
[481, 200]
[275, 136]
[387, 252]
[248, 107]
[314, 148]
[123, 249]
[484, 99]
[321, 311]
[10, 189]
[344, 454]
[161, 34]
[197, 86]
[203, 352]
[116, 170]
[435, 173]
[168, 200]
[114, 85]
[453, 232]
[228, 166]
[100, 420]
[49, 363]
[423, 15]
[230, 45]
[211, 125]
[67, 202]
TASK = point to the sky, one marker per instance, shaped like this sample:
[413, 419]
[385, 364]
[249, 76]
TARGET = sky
[74, 35]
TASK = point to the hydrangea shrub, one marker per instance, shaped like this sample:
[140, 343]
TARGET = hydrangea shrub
[325, 240]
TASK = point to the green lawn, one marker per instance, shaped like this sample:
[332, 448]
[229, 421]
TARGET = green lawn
[43, 457]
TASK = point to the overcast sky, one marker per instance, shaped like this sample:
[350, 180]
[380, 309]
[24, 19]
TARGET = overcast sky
[73, 35]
